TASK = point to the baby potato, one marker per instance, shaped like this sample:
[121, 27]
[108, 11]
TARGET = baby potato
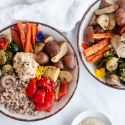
[52, 48]
[65, 76]
[59, 64]
[42, 58]
[69, 61]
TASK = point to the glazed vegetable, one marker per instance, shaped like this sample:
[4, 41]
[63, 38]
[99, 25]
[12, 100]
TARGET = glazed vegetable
[62, 52]
[113, 80]
[106, 10]
[7, 69]
[95, 48]
[52, 48]
[28, 44]
[39, 47]
[59, 64]
[65, 76]
[7, 81]
[3, 58]
[42, 58]
[100, 73]
[52, 72]
[69, 61]
[22, 33]
[112, 64]
[33, 33]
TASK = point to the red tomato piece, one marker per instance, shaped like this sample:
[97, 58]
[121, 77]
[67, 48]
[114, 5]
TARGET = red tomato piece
[39, 97]
[31, 89]
[63, 90]
[46, 83]
[48, 103]
[3, 44]
[85, 46]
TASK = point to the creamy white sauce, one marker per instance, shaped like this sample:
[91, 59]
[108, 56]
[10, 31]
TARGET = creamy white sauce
[25, 65]
[92, 121]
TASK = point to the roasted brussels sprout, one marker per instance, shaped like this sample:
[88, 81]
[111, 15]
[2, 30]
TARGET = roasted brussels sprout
[7, 69]
[113, 80]
[9, 56]
[112, 64]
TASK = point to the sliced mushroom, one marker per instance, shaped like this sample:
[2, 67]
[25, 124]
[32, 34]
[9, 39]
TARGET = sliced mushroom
[88, 34]
[50, 38]
[106, 3]
[107, 10]
[7, 81]
[103, 21]
[65, 76]
[112, 22]
[62, 52]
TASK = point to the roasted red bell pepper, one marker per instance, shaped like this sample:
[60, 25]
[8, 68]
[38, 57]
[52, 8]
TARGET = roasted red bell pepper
[3, 44]
[63, 90]
[31, 89]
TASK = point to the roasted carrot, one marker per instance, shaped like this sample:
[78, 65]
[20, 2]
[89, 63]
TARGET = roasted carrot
[33, 33]
[16, 37]
[102, 35]
[22, 33]
[122, 30]
[95, 48]
[28, 44]
[95, 57]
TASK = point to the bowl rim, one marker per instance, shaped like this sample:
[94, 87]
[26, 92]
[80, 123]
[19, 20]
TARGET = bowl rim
[38, 119]
[81, 22]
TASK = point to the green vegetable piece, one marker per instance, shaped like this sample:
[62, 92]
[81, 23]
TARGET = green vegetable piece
[3, 58]
[7, 69]
[9, 55]
[15, 47]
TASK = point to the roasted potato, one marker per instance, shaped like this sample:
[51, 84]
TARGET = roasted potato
[69, 61]
[106, 3]
[107, 10]
[65, 76]
[42, 58]
[59, 64]
[121, 3]
[120, 16]
[52, 48]
[103, 20]
[88, 34]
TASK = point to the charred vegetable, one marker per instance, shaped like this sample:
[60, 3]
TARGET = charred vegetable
[112, 64]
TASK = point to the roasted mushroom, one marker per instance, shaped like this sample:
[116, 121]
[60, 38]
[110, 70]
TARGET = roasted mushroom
[59, 64]
[106, 3]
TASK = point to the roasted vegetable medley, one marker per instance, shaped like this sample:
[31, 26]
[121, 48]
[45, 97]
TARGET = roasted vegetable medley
[104, 42]
[35, 69]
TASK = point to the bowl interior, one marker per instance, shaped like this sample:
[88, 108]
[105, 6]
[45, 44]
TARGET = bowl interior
[87, 114]
[84, 23]
[71, 88]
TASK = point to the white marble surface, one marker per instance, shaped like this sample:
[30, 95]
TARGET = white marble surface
[90, 94]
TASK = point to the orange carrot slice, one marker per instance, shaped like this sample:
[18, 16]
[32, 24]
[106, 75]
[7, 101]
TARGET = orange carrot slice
[28, 45]
[95, 48]
[33, 33]
[103, 35]
[22, 33]
[95, 57]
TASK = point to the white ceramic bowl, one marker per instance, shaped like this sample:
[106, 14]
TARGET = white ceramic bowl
[80, 38]
[71, 88]
[90, 113]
